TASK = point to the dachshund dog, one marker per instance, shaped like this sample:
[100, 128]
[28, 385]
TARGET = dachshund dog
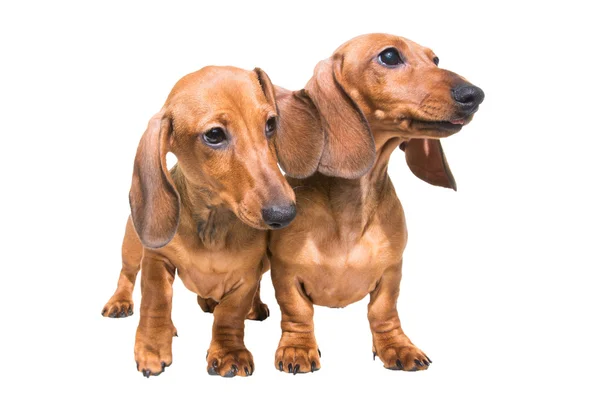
[207, 218]
[376, 93]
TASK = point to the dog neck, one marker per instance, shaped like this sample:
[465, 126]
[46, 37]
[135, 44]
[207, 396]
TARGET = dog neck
[203, 212]
[353, 202]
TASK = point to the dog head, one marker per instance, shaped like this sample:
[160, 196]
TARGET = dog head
[373, 88]
[218, 122]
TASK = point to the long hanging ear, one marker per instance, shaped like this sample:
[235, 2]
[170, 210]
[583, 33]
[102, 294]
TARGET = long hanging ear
[349, 150]
[153, 198]
[299, 137]
[426, 159]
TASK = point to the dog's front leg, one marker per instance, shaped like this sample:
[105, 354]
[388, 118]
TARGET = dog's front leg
[390, 343]
[155, 331]
[227, 355]
[297, 351]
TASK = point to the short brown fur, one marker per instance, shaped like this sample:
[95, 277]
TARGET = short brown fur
[202, 219]
[349, 234]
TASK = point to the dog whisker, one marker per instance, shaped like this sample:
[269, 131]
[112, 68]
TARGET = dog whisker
[300, 187]
[306, 198]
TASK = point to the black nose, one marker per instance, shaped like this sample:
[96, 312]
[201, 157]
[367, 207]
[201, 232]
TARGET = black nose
[468, 96]
[279, 216]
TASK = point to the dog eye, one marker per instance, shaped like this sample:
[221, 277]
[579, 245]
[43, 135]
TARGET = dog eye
[270, 126]
[214, 137]
[436, 60]
[390, 57]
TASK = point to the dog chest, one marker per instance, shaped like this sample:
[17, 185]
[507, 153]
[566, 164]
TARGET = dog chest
[341, 273]
[211, 274]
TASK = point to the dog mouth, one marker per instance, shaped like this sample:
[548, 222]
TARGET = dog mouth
[455, 124]
[441, 128]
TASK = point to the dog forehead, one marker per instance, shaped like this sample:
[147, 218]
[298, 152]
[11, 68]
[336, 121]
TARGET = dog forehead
[218, 94]
[192, 117]
[215, 83]
[370, 44]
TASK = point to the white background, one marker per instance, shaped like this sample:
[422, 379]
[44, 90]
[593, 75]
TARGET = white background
[501, 278]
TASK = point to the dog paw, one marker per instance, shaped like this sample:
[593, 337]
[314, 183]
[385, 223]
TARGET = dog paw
[230, 363]
[118, 307]
[298, 359]
[153, 350]
[259, 312]
[406, 357]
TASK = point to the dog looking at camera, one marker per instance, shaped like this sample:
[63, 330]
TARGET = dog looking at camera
[207, 218]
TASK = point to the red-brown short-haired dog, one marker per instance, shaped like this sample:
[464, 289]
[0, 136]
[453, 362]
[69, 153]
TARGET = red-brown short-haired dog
[207, 217]
[376, 93]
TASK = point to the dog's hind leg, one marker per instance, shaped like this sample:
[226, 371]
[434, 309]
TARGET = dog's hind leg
[259, 310]
[120, 304]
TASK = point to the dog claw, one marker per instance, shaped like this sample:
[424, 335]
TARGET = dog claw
[319, 351]
[290, 368]
[246, 371]
[232, 372]
[146, 373]
[213, 368]
[163, 366]
[374, 354]
[313, 366]
[399, 364]
[130, 311]
[281, 366]
[419, 363]
[429, 359]
[296, 369]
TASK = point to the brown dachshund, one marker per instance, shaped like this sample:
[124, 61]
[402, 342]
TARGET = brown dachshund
[207, 217]
[376, 93]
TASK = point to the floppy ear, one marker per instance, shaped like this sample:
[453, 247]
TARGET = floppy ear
[299, 138]
[426, 159]
[349, 150]
[153, 198]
